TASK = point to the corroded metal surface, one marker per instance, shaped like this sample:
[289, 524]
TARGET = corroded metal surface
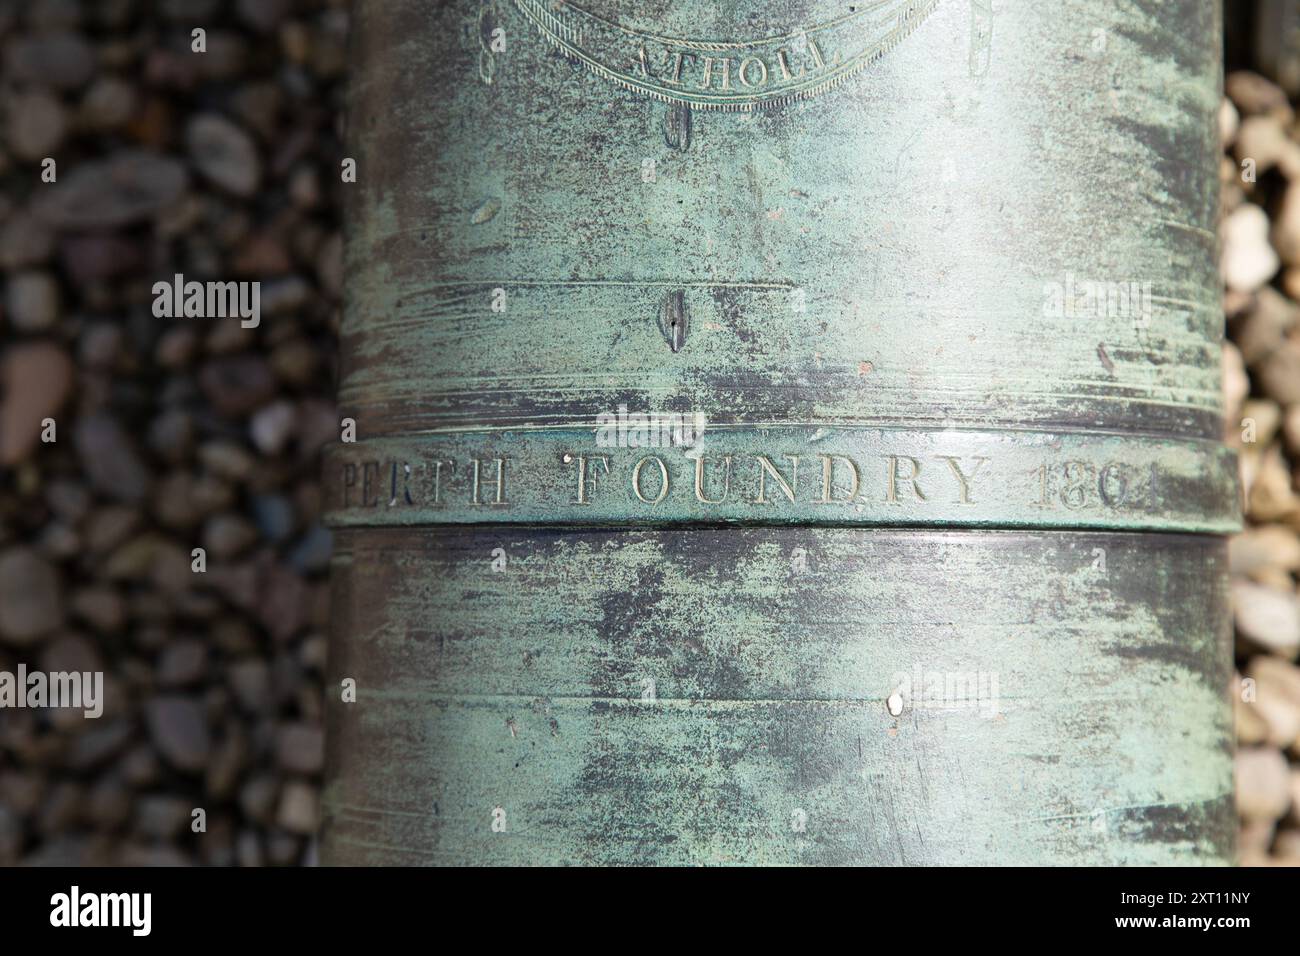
[1105, 739]
[932, 265]
[875, 253]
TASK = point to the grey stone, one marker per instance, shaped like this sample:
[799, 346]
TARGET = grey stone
[178, 727]
[224, 154]
[109, 459]
[30, 598]
[130, 187]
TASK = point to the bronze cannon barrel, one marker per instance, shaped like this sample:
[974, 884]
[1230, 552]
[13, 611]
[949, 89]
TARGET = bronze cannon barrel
[781, 433]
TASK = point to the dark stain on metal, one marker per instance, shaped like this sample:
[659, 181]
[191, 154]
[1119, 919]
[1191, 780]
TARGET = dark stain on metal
[1184, 824]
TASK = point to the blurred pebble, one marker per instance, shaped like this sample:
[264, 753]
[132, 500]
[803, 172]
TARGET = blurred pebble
[127, 188]
[1262, 784]
[275, 516]
[31, 603]
[1248, 260]
[36, 124]
[224, 153]
[37, 378]
[110, 460]
[237, 385]
[179, 729]
[61, 60]
[299, 810]
[1267, 616]
[272, 427]
[32, 301]
[300, 748]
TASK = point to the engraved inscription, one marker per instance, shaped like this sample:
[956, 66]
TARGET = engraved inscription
[788, 61]
[785, 474]
[1082, 484]
[773, 480]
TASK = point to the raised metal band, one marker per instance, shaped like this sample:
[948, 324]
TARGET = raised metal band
[832, 476]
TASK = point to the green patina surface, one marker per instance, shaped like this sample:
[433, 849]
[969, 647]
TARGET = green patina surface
[901, 234]
[1091, 724]
[877, 252]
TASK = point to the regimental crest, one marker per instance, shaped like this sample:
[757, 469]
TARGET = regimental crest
[639, 49]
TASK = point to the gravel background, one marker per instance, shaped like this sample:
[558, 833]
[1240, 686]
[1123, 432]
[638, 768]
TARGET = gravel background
[172, 434]
[1260, 235]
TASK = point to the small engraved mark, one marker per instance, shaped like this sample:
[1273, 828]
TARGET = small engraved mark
[674, 320]
[1105, 359]
[981, 37]
[677, 127]
[487, 211]
[488, 18]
